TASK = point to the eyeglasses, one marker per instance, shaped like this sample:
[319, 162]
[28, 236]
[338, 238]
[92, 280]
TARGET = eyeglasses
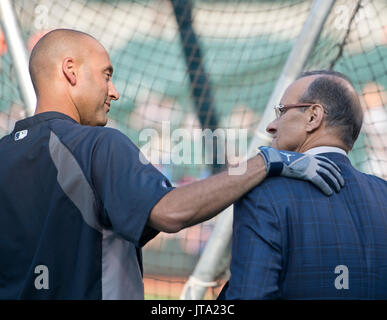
[281, 108]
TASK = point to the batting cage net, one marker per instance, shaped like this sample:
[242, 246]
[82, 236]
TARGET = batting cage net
[183, 65]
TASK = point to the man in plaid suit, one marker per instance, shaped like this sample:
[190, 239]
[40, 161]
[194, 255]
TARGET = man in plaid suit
[292, 242]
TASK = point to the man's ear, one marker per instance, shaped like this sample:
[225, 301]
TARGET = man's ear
[315, 116]
[68, 69]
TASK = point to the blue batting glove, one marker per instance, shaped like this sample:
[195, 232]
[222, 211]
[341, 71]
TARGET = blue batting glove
[319, 170]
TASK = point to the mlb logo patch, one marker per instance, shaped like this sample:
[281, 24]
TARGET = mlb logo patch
[21, 135]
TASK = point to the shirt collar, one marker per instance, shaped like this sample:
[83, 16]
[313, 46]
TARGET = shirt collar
[326, 149]
[40, 117]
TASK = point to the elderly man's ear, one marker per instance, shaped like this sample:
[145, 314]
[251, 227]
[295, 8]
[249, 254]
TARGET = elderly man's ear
[314, 116]
[68, 68]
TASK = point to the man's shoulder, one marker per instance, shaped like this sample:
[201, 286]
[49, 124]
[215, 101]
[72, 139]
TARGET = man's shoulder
[279, 192]
[288, 191]
[63, 125]
[105, 135]
[375, 185]
[88, 143]
[74, 134]
[374, 179]
[273, 185]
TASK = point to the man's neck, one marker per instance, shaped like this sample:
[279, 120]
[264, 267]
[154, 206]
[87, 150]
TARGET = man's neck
[327, 140]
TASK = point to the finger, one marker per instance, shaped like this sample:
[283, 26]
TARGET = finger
[333, 171]
[322, 185]
[329, 178]
[329, 161]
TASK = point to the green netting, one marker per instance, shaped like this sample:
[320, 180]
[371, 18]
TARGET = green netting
[238, 55]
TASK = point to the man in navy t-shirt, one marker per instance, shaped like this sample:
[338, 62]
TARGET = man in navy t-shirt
[76, 202]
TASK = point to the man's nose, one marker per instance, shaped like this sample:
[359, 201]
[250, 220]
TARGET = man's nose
[271, 127]
[113, 93]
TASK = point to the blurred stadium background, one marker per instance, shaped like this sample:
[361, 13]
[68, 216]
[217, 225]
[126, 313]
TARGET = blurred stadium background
[208, 64]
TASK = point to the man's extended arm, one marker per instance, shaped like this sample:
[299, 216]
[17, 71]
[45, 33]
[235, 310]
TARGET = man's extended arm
[200, 201]
[132, 194]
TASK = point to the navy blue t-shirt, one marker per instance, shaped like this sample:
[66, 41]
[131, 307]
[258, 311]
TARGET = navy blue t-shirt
[74, 204]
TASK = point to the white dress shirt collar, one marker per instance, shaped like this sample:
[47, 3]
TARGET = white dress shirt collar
[326, 149]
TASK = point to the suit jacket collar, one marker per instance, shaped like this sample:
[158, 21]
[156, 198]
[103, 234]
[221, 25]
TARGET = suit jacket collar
[337, 158]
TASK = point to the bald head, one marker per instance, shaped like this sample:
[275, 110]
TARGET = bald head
[52, 48]
[71, 73]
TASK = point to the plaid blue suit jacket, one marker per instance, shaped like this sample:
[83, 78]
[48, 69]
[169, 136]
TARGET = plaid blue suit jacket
[289, 238]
